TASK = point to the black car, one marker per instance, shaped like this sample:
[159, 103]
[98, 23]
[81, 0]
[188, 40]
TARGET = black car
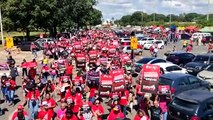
[25, 46]
[191, 105]
[199, 63]
[180, 58]
[180, 82]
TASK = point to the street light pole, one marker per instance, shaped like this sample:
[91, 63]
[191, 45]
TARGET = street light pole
[2, 37]
[170, 15]
[207, 17]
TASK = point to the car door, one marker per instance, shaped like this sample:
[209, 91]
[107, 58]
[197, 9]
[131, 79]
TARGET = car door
[187, 58]
[182, 84]
[208, 110]
[194, 82]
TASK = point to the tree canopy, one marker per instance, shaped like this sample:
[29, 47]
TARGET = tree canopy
[49, 15]
[141, 18]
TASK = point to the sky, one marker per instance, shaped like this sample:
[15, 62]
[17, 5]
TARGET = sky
[119, 8]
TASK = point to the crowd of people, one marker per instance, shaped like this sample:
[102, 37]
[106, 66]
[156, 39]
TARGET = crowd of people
[76, 80]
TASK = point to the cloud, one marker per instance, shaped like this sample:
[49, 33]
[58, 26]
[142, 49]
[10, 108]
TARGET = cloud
[118, 8]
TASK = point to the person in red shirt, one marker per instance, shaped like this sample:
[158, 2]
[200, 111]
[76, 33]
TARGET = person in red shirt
[43, 112]
[20, 114]
[11, 86]
[124, 101]
[32, 73]
[141, 115]
[139, 94]
[98, 109]
[33, 97]
[116, 113]
[69, 115]
[51, 105]
[69, 69]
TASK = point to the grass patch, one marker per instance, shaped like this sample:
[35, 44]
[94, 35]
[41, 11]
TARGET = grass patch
[14, 34]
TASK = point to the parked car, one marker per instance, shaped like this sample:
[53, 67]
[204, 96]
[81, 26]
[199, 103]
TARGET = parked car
[128, 50]
[160, 44]
[40, 42]
[191, 105]
[207, 74]
[180, 58]
[180, 82]
[145, 40]
[147, 60]
[199, 63]
[170, 68]
[25, 46]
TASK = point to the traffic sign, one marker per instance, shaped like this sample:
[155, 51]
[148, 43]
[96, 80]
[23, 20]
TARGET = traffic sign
[9, 42]
[134, 43]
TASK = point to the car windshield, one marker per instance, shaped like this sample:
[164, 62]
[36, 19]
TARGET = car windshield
[144, 60]
[200, 58]
[165, 81]
[150, 42]
[187, 105]
[209, 68]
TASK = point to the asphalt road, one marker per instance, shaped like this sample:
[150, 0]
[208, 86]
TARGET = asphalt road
[8, 110]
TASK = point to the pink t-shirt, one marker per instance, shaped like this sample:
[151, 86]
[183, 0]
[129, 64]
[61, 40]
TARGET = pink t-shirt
[61, 113]
[163, 106]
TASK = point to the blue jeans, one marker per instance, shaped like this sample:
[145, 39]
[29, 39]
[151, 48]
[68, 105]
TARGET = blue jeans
[124, 110]
[33, 109]
[53, 77]
[10, 95]
[34, 52]
[4, 91]
[165, 115]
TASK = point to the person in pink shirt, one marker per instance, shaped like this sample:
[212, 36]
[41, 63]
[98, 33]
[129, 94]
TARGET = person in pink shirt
[61, 112]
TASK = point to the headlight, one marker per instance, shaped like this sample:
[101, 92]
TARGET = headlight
[198, 67]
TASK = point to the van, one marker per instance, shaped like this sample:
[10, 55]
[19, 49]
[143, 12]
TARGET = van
[196, 35]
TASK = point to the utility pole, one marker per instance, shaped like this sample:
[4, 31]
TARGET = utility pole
[207, 17]
[2, 37]
[170, 15]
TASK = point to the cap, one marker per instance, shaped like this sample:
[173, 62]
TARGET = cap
[117, 108]
[20, 107]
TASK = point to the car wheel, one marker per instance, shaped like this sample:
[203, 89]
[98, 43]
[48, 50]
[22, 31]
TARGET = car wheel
[162, 47]
[140, 53]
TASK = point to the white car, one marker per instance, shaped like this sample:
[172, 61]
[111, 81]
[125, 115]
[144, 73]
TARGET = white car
[144, 40]
[128, 50]
[148, 44]
[171, 68]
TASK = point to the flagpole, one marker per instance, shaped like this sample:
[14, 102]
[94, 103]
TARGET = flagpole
[2, 37]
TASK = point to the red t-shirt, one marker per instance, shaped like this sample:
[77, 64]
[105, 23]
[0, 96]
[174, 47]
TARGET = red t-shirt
[51, 102]
[72, 118]
[92, 92]
[11, 84]
[137, 117]
[113, 116]
[43, 115]
[14, 117]
[99, 108]
[33, 95]
[69, 69]
[77, 102]
[77, 80]
[124, 98]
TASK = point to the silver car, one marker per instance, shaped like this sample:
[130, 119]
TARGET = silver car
[127, 49]
[207, 74]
